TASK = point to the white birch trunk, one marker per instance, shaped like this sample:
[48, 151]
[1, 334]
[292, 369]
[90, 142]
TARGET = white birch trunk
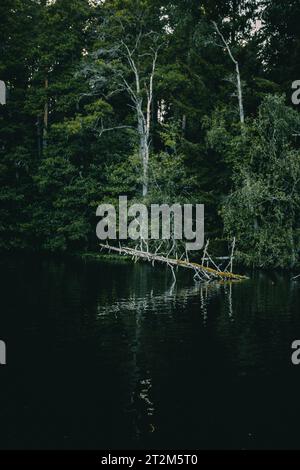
[238, 75]
[143, 118]
[2, 93]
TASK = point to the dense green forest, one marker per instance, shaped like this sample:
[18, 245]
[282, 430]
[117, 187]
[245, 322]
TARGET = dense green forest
[161, 100]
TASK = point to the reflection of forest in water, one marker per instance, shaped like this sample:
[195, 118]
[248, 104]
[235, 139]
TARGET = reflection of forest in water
[251, 322]
[140, 361]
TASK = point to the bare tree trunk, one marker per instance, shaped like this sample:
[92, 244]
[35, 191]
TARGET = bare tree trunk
[143, 117]
[201, 272]
[183, 126]
[143, 143]
[145, 169]
[143, 150]
[238, 75]
[240, 93]
[2, 93]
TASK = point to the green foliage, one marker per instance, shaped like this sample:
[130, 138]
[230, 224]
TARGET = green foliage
[68, 139]
[263, 210]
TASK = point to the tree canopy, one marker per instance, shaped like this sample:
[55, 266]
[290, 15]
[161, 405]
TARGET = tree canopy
[140, 97]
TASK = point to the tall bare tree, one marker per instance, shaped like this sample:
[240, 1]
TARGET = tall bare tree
[237, 71]
[143, 113]
[2, 93]
[129, 67]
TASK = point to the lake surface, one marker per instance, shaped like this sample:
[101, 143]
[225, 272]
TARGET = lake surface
[112, 355]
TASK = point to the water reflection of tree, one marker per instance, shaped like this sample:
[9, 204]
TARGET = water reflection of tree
[165, 302]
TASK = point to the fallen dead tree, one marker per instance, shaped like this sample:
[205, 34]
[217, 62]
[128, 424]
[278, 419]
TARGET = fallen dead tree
[201, 272]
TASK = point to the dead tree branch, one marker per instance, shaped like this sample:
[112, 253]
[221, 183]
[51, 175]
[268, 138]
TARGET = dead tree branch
[201, 272]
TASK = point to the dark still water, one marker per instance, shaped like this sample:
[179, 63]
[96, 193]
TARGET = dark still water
[111, 355]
